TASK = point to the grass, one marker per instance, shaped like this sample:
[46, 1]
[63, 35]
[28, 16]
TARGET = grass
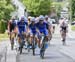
[3, 36]
[73, 28]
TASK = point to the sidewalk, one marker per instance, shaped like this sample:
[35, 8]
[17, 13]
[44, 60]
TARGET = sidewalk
[7, 54]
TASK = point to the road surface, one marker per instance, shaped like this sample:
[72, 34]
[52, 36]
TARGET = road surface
[52, 54]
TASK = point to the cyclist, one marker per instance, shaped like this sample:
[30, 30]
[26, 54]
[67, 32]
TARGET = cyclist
[47, 20]
[12, 30]
[22, 26]
[33, 32]
[42, 27]
[63, 30]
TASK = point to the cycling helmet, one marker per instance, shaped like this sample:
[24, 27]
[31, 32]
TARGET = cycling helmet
[33, 19]
[46, 16]
[41, 17]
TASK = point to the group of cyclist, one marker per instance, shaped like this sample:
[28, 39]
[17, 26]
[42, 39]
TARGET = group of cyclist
[33, 27]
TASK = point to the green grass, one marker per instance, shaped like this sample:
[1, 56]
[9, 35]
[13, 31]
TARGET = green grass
[3, 36]
[73, 28]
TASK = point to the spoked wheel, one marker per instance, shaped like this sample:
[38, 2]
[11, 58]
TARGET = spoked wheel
[42, 54]
[64, 38]
[12, 44]
[12, 47]
[21, 46]
[28, 47]
[20, 50]
[33, 48]
[63, 42]
[42, 51]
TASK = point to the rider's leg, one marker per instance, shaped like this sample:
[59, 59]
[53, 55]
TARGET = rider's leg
[31, 38]
[10, 36]
[19, 39]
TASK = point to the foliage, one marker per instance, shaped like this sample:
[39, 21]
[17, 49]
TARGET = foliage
[5, 9]
[37, 7]
[3, 26]
[58, 7]
[73, 28]
[73, 8]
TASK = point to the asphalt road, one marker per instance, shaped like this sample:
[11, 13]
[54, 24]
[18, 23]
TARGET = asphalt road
[52, 54]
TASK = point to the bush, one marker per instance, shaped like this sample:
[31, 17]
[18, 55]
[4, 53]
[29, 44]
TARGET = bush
[73, 28]
[3, 26]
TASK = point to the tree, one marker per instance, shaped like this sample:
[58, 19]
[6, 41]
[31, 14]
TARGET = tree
[73, 9]
[37, 7]
[5, 9]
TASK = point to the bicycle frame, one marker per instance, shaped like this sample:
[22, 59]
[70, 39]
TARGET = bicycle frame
[42, 51]
[33, 44]
[63, 34]
[22, 42]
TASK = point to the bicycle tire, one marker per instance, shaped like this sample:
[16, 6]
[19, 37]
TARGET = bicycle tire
[21, 46]
[12, 44]
[42, 49]
[33, 48]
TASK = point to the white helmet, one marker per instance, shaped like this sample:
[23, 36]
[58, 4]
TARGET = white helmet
[41, 17]
[33, 19]
[46, 16]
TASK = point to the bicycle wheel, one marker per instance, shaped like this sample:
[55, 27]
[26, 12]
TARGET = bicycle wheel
[28, 47]
[33, 48]
[42, 54]
[21, 46]
[42, 50]
[12, 44]
[63, 41]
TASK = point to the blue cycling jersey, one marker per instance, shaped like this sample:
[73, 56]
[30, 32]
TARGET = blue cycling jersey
[22, 26]
[32, 28]
[42, 26]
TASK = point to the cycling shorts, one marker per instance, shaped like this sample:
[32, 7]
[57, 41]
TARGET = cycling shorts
[45, 32]
[32, 33]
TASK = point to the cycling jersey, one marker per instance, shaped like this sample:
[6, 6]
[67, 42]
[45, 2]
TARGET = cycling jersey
[63, 27]
[22, 26]
[32, 28]
[12, 25]
[42, 27]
